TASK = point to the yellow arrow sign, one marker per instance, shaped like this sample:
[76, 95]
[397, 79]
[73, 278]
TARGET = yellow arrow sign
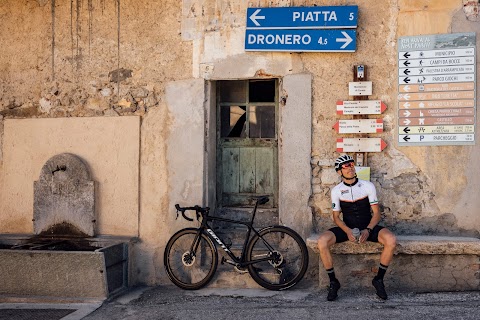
[436, 129]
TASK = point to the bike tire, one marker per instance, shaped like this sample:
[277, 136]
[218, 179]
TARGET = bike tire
[289, 258]
[185, 271]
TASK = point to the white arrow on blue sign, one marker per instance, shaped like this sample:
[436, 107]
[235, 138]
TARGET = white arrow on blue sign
[301, 40]
[328, 17]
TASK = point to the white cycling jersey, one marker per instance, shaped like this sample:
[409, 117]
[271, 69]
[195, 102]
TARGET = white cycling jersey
[354, 201]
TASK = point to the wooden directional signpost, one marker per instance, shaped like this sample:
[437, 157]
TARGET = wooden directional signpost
[360, 144]
[437, 80]
[359, 108]
[359, 126]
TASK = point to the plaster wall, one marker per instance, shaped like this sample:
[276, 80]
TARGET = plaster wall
[110, 154]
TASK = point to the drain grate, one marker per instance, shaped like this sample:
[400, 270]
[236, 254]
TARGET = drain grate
[34, 314]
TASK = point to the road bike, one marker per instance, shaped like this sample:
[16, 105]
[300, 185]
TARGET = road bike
[276, 256]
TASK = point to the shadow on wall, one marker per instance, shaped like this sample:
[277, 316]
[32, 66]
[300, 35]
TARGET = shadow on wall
[443, 225]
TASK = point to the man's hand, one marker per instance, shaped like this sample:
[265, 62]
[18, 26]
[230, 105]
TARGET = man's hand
[364, 235]
[350, 235]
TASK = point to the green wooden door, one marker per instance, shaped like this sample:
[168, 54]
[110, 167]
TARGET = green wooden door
[246, 141]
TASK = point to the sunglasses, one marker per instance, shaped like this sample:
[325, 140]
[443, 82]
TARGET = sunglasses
[348, 165]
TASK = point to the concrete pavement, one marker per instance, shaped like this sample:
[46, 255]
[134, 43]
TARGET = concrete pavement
[170, 302]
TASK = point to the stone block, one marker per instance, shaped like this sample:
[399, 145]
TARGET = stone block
[420, 264]
[64, 195]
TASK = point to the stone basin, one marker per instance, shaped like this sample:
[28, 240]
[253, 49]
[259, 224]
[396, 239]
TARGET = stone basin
[87, 269]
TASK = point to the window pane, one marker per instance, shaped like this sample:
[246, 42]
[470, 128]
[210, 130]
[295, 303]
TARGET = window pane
[233, 91]
[262, 91]
[262, 122]
[233, 120]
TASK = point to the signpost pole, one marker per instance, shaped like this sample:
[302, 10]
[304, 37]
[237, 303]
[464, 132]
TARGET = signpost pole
[360, 74]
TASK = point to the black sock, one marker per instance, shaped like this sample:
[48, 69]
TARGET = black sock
[381, 271]
[331, 274]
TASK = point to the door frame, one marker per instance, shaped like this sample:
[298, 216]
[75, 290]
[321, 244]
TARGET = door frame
[250, 142]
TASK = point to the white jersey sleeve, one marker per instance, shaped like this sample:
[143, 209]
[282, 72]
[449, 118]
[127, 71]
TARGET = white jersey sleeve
[335, 194]
[372, 193]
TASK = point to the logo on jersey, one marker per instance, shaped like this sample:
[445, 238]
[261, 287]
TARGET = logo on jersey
[333, 205]
[344, 191]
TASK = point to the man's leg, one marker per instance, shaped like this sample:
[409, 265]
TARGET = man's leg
[325, 241]
[389, 241]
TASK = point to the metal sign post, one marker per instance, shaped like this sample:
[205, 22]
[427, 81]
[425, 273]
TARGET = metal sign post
[360, 74]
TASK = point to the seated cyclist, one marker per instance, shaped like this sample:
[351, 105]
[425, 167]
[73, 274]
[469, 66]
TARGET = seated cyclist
[356, 199]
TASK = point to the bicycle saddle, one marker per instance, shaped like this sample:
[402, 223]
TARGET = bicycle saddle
[263, 200]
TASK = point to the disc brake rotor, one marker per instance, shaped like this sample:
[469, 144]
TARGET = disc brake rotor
[188, 259]
[276, 259]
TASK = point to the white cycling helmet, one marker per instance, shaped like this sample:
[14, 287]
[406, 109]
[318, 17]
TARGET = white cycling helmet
[342, 160]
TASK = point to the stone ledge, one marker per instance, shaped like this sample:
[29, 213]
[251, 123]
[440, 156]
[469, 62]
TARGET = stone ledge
[411, 244]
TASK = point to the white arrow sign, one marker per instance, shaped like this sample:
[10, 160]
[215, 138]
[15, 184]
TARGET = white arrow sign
[359, 126]
[437, 79]
[254, 17]
[436, 53]
[440, 138]
[361, 107]
[360, 145]
[436, 70]
[453, 61]
[347, 40]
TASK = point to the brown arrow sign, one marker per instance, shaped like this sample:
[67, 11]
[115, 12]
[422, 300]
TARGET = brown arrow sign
[460, 86]
[437, 112]
[437, 95]
[436, 104]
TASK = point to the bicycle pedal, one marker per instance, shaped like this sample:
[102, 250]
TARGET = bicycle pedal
[240, 270]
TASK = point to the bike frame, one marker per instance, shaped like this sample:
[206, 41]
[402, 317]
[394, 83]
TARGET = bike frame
[240, 261]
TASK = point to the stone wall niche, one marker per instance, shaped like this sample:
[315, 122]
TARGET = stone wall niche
[64, 198]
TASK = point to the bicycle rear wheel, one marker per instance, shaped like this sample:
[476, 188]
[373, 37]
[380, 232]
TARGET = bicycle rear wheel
[287, 258]
[190, 270]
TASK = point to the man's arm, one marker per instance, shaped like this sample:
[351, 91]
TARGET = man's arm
[376, 217]
[339, 222]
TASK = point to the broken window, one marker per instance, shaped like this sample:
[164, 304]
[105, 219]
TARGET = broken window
[247, 108]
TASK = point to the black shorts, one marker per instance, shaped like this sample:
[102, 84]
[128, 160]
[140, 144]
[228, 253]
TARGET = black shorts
[341, 236]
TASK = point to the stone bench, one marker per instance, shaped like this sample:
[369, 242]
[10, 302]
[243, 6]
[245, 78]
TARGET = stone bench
[420, 264]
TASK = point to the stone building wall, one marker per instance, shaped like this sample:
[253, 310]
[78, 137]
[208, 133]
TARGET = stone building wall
[154, 58]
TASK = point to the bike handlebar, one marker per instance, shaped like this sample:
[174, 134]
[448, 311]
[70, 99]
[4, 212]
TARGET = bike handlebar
[201, 210]
[197, 210]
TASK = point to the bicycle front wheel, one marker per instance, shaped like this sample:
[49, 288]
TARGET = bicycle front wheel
[190, 269]
[283, 258]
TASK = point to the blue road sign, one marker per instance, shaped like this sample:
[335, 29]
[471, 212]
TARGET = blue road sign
[301, 40]
[329, 17]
